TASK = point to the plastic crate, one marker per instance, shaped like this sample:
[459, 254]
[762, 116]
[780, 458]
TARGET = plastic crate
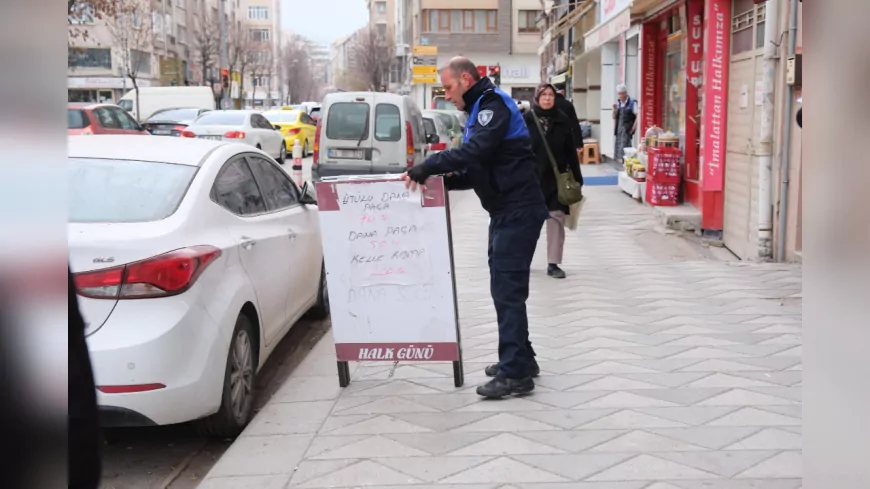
[664, 164]
[662, 193]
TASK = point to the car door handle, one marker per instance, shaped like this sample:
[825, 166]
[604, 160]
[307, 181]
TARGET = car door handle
[291, 235]
[248, 243]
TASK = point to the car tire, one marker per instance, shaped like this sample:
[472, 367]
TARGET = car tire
[320, 310]
[282, 153]
[305, 152]
[236, 409]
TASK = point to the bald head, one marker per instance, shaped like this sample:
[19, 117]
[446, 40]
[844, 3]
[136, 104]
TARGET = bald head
[457, 77]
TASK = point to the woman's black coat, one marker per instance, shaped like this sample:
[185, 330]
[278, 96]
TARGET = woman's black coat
[559, 137]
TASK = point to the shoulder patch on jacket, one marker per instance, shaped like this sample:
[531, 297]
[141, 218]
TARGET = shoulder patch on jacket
[484, 117]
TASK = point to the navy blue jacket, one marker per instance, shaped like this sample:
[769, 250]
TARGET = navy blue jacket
[495, 158]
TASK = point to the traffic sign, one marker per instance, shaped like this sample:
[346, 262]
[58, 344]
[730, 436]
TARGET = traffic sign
[425, 70]
[424, 64]
[424, 79]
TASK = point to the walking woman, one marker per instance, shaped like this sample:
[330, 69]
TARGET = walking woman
[558, 138]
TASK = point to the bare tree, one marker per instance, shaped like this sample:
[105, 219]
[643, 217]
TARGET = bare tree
[206, 42]
[373, 55]
[132, 32]
[345, 80]
[261, 65]
[299, 75]
[82, 12]
[240, 51]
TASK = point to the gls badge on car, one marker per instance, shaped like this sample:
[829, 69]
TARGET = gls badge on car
[109, 259]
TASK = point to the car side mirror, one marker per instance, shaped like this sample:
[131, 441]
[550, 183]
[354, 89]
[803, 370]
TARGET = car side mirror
[433, 139]
[276, 127]
[308, 197]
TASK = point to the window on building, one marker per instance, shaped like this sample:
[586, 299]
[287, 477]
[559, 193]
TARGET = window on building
[528, 20]
[260, 81]
[181, 33]
[258, 13]
[89, 58]
[140, 62]
[747, 26]
[259, 35]
[460, 21]
[382, 31]
[157, 24]
[81, 13]
[179, 3]
[381, 7]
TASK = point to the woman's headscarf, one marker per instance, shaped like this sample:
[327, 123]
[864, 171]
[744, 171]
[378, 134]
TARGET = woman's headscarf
[541, 112]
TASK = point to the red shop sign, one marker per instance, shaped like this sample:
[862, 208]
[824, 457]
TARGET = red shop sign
[648, 58]
[694, 78]
[718, 46]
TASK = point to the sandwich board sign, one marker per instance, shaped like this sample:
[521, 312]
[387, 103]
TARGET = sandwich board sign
[389, 268]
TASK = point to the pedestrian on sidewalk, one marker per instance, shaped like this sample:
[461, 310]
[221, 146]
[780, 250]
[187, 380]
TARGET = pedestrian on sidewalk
[624, 121]
[496, 160]
[554, 147]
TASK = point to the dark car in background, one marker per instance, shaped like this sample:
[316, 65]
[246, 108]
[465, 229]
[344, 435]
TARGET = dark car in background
[172, 122]
[83, 118]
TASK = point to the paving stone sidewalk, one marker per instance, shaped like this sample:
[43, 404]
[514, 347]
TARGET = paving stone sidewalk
[658, 372]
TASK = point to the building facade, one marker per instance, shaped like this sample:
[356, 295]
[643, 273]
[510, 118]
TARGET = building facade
[158, 41]
[263, 85]
[491, 33]
[714, 73]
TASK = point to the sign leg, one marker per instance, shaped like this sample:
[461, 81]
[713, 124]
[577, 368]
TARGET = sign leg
[458, 373]
[343, 374]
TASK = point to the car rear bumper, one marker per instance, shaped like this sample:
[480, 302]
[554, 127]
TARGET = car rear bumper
[169, 341]
[333, 170]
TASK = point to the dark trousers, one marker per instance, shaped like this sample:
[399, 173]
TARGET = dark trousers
[513, 237]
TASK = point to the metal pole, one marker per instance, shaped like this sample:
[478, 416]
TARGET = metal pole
[786, 140]
[224, 56]
[765, 143]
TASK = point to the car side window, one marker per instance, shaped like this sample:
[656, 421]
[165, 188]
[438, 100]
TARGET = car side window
[236, 190]
[105, 118]
[279, 191]
[127, 122]
[261, 122]
[306, 119]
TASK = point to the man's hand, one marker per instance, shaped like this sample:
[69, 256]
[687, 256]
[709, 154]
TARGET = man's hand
[416, 176]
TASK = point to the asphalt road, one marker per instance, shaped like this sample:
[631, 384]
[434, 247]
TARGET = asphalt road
[175, 457]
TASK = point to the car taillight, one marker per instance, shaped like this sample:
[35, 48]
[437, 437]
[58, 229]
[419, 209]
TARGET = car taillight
[438, 146]
[317, 142]
[293, 131]
[179, 128]
[187, 134]
[409, 137]
[160, 276]
[235, 135]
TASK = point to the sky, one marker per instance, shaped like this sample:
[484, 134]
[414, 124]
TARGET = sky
[323, 21]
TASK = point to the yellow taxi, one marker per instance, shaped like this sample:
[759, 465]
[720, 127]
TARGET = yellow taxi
[295, 126]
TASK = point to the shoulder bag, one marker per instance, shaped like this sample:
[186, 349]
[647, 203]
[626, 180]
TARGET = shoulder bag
[570, 190]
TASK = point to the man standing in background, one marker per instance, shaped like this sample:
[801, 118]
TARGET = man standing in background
[567, 107]
[624, 121]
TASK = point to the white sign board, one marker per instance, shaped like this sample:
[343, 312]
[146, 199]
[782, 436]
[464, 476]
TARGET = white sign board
[389, 269]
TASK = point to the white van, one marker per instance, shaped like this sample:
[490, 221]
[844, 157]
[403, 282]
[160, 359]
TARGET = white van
[152, 99]
[365, 133]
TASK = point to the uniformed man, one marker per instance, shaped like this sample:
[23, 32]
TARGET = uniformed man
[496, 160]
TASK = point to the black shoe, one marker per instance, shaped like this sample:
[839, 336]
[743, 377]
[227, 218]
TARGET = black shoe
[554, 271]
[492, 370]
[500, 387]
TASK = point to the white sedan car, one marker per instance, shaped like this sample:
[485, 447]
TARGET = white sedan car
[191, 260]
[243, 126]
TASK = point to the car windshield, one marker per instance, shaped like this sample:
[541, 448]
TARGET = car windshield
[347, 120]
[126, 105]
[443, 104]
[125, 191]
[174, 115]
[287, 116]
[76, 119]
[221, 119]
[429, 126]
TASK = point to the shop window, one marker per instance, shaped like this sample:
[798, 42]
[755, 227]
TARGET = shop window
[89, 58]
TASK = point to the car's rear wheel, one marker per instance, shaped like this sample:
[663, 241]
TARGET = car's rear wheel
[321, 307]
[237, 399]
[282, 153]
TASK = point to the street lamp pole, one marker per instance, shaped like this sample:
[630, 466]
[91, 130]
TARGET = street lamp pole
[225, 93]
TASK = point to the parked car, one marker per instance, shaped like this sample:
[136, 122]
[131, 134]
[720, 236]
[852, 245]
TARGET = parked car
[315, 113]
[243, 126]
[452, 126]
[172, 122]
[88, 119]
[296, 126]
[188, 279]
[437, 136]
[368, 133]
[152, 99]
